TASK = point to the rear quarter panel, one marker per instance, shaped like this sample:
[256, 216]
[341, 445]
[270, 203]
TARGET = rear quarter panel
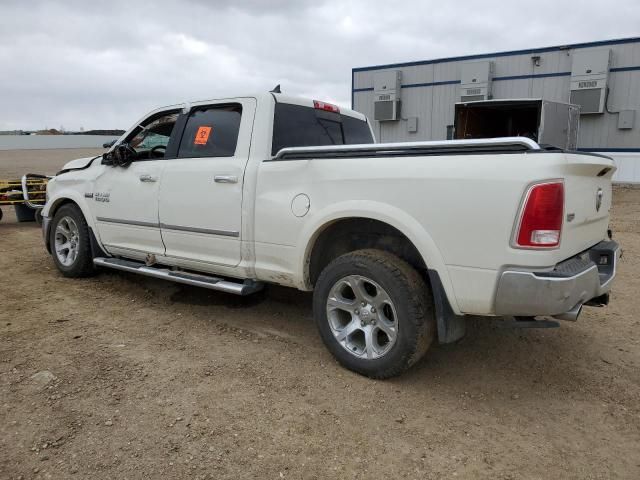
[459, 211]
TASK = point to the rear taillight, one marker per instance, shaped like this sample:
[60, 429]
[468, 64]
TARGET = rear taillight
[540, 222]
[327, 107]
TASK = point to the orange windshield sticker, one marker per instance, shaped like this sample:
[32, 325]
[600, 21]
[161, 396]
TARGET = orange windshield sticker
[202, 135]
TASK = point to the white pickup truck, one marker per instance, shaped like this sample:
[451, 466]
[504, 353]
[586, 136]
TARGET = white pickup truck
[399, 242]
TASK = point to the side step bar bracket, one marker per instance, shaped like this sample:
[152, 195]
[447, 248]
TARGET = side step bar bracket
[245, 287]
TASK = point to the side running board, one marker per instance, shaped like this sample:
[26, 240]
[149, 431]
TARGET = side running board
[245, 287]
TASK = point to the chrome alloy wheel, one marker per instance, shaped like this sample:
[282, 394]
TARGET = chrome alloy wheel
[66, 241]
[362, 317]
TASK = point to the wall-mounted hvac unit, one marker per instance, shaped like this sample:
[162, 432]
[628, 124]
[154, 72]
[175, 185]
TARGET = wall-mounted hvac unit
[475, 81]
[589, 75]
[386, 92]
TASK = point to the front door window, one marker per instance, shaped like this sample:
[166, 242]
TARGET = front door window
[152, 139]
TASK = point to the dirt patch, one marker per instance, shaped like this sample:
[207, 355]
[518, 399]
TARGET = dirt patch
[121, 376]
[15, 163]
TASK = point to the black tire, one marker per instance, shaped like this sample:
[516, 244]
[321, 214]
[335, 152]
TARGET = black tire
[82, 266]
[412, 300]
[0, 214]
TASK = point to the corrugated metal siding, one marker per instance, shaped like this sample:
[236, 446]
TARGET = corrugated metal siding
[433, 105]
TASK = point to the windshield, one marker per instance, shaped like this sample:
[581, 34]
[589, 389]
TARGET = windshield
[298, 126]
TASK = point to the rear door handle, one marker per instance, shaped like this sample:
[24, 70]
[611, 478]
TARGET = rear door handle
[147, 178]
[225, 179]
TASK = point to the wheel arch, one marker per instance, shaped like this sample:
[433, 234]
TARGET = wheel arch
[54, 204]
[413, 242]
[347, 234]
[68, 196]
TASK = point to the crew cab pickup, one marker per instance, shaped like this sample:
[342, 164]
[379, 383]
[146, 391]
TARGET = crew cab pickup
[399, 242]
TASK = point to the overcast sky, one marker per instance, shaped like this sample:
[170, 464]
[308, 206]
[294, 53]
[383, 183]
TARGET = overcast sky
[76, 63]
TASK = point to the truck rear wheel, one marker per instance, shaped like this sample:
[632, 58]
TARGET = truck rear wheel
[70, 242]
[374, 313]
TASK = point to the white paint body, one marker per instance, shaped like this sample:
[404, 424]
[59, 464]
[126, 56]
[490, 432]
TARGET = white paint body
[458, 210]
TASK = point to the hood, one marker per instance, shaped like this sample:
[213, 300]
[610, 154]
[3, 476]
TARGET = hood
[77, 164]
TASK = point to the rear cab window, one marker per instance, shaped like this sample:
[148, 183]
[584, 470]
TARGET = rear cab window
[302, 126]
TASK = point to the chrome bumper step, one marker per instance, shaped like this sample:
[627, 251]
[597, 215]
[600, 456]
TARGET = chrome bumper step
[240, 287]
[583, 279]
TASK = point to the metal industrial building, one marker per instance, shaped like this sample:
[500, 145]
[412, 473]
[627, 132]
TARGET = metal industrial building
[415, 101]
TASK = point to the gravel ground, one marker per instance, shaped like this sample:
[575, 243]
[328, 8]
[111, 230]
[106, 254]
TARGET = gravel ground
[120, 376]
[15, 163]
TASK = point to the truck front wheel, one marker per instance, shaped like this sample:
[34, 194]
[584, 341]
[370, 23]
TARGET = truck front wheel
[374, 313]
[70, 242]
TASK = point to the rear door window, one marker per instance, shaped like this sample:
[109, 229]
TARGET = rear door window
[299, 126]
[211, 131]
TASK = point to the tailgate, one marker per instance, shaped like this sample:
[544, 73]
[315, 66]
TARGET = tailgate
[588, 197]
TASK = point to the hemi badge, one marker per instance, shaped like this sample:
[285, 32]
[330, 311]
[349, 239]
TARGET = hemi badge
[88, 195]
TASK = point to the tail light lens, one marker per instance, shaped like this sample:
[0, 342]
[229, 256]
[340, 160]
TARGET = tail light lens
[540, 222]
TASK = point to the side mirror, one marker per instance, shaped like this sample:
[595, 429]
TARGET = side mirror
[108, 144]
[121, 156]
[106, 159]
[124, 154]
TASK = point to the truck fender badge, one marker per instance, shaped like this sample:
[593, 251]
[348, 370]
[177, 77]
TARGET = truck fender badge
[102, 197]
[599, 195]
[88, 195]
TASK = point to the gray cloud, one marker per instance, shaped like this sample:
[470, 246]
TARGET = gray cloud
[76, 63]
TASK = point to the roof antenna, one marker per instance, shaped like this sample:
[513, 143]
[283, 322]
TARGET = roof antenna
[277, 89]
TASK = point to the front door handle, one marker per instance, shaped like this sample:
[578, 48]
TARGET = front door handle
[225, 179]
[147, 178]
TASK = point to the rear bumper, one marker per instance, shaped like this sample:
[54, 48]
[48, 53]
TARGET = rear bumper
[569, 285]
